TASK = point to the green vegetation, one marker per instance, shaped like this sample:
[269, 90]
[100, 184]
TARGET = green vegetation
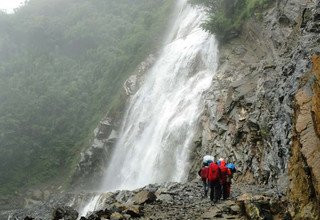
[225, 17]
[62, 65]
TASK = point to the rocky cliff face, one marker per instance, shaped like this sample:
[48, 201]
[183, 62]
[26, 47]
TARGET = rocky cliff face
[263, 107]
[95, 158]
[304, 165]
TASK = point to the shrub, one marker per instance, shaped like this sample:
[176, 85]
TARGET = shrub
[226, 17]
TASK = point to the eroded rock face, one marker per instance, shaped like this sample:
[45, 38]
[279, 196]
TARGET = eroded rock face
[249, 117]
[133, 83]
[93, 161]
[249, 107]
[305, 161]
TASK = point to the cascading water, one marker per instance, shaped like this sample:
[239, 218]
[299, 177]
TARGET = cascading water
[162, 117]
[161, 120]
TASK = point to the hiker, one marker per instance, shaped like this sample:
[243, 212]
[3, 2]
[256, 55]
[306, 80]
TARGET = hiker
[203, 173]
[219, 161]
[214, 181]
[208, 159]
[232, 169]
[225, 173]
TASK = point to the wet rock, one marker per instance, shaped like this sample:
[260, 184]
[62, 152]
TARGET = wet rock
[66, 213]
[115, 207]
[130, 85]
[91, 166]
[105, 129]
[134, 81]
[93, 216]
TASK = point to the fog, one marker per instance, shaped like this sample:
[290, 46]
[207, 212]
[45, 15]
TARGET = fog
[8, 6]
[62, 67]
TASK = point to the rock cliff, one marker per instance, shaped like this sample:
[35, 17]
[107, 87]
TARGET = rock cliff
[262, 111]
[304, 164]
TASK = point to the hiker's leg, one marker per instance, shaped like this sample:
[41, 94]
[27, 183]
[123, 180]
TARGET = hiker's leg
[224, 190]
[212, 189]
[217, 193]
[205, 184]
[228, 190]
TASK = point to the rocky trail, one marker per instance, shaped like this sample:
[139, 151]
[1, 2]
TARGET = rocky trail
[172, 201]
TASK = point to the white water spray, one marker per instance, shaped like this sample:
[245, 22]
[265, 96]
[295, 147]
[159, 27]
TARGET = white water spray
[155, 141]
[161, 120]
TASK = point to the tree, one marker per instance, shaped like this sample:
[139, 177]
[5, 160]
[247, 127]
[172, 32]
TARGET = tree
[62, 64]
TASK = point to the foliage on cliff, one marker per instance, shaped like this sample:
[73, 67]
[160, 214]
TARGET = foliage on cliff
[225, 17]
[62, 64]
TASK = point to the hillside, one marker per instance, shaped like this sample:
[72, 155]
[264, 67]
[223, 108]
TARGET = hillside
[62, 66]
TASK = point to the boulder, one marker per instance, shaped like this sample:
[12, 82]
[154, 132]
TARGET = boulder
[261, 207]
[116, 216]
[105, 129]
[133, 210]
[144, 197]
[130, 85]
[65, 213]
[93, 216]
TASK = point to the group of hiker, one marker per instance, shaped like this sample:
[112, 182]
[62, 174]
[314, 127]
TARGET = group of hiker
[216, 176]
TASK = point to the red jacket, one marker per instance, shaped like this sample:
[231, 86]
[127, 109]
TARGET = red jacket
[203, 172]
[225, 172]
[214, 172]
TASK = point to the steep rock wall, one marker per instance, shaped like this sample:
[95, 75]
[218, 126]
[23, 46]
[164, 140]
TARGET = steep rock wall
[249, 117]
[304, 172]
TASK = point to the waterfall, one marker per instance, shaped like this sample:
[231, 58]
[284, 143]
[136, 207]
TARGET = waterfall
[155, 140]
[161, 119]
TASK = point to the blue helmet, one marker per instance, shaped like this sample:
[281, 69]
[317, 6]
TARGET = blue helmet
[231, 166]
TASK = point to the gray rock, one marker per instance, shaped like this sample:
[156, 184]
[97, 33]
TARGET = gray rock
[66, 213]
[116, 216]
[144, 197]
[165, 198]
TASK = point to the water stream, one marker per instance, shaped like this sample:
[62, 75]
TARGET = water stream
[155, 140]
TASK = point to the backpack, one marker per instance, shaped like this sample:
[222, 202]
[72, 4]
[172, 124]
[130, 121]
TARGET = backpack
[204, 173]
[214, 172]
[231, 167]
